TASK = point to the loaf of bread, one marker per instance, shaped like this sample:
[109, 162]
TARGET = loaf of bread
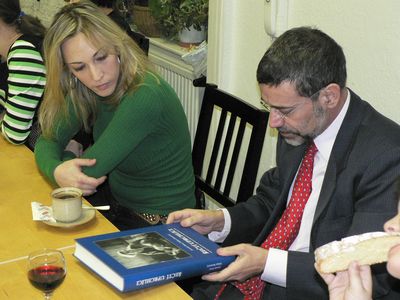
[367, 249]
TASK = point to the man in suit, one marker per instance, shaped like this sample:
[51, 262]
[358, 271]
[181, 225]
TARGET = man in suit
[302, 79]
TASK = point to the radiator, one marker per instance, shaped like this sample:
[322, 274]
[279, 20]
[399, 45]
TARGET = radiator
[166, 58]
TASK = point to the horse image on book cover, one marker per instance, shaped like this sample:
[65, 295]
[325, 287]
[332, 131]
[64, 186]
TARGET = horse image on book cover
[141, 249]
[154, 255]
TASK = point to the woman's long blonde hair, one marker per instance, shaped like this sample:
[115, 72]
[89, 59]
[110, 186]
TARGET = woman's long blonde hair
[100, 30]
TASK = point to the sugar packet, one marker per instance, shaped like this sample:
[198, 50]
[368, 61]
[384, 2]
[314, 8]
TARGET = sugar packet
[42, 212]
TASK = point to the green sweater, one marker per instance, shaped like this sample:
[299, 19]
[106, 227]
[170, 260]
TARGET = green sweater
[143, 146]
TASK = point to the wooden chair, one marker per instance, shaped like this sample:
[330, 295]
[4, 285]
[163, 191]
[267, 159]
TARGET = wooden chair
[225, 147]
[235, 117]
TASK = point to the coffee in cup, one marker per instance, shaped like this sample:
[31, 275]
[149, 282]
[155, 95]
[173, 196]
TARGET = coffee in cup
[67, 204]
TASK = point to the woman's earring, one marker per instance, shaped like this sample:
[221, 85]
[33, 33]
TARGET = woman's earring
[73, 82]
[119, 61]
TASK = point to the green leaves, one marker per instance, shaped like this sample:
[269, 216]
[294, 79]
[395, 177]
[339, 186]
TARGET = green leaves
[174, 15]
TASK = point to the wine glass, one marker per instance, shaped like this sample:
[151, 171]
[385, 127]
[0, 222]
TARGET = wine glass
[46, 270]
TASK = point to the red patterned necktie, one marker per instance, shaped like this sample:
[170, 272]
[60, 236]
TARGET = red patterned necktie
[285, 232]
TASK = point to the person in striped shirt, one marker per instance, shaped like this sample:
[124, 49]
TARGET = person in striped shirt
[23, 75]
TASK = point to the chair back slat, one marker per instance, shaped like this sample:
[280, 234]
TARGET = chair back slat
[225, 152]
[222, 168]
[234, 158]
[216, 146]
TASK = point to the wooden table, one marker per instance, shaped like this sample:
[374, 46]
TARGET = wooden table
[20, 184]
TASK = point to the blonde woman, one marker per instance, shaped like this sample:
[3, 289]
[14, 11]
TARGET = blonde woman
[97, 77]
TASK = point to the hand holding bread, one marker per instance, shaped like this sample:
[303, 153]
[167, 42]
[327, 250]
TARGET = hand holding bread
[367, 249]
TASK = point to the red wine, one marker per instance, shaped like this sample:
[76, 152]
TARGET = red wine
[46, 278]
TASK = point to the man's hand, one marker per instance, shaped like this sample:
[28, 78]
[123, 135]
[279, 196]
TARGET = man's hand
[70, 173]
[203, 221]
[250, 261]
[354, 283]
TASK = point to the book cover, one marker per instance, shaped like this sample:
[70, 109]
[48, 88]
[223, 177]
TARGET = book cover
[144, 257]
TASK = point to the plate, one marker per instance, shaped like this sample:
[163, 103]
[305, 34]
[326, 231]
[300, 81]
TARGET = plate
[87, 215]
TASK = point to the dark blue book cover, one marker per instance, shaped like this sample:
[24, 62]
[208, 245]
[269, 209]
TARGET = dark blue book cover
[140, 258]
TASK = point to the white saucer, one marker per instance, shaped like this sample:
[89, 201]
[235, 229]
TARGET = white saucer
[87, 215]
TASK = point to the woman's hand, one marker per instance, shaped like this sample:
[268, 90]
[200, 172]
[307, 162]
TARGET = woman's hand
[354, 283]
[70, 173]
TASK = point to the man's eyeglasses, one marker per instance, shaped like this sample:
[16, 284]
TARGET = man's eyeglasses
[284, 113]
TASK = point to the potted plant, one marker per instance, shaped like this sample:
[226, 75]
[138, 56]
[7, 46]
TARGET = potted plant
[175, 16]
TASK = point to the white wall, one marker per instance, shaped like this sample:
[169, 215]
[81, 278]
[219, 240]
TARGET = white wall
[43, 9]
[367, 30]
[237, 38]
[369, 34]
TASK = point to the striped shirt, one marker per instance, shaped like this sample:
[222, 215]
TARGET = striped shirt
[21, 95]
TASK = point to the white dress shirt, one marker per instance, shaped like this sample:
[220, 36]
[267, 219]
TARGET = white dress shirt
[276, 265]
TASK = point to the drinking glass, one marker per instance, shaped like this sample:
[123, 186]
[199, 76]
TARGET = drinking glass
[46, 270]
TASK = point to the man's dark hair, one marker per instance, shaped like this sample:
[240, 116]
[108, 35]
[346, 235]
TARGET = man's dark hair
[11, 14]
[306, 57]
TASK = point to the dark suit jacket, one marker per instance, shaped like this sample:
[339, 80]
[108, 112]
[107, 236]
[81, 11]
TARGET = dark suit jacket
[357, 196]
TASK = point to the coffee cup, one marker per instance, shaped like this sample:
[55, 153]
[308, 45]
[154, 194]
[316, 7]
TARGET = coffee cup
[67, 204]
